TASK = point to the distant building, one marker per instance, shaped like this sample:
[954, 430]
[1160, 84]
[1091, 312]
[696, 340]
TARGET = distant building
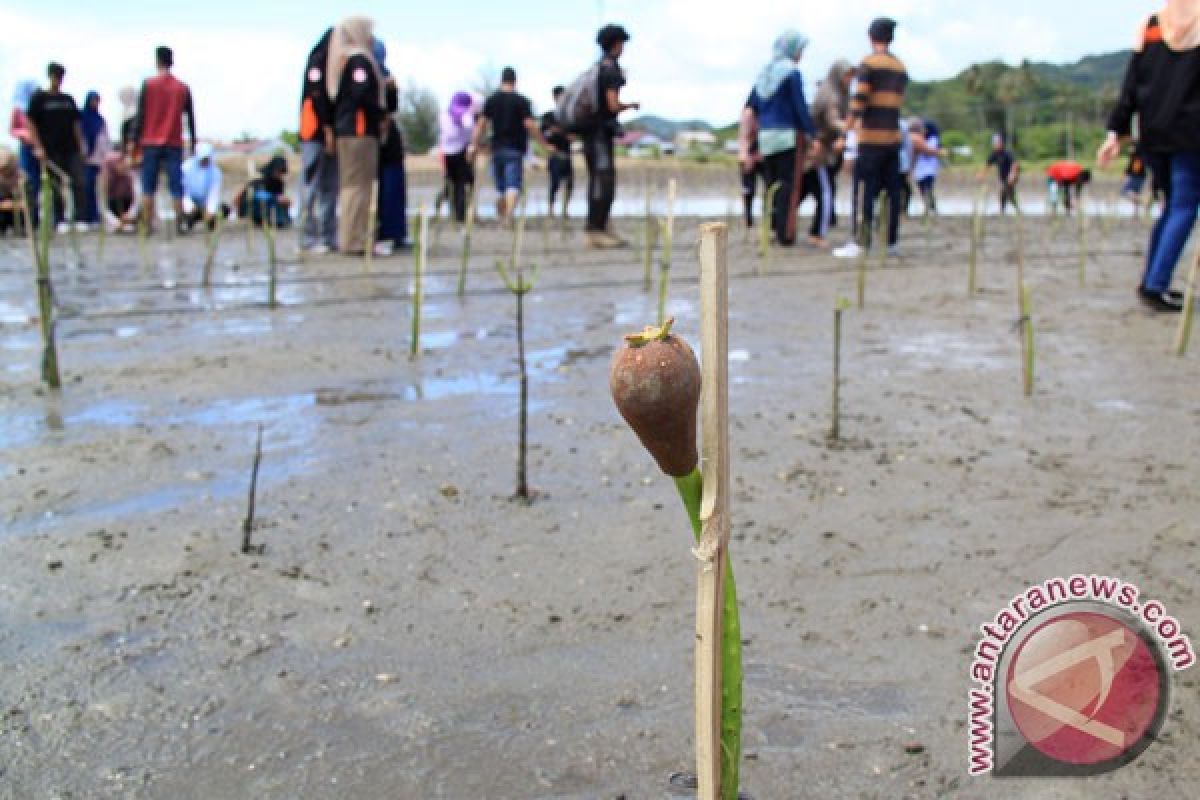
[643, 144]
[696, 140]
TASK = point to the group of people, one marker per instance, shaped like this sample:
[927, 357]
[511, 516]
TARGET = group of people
[350, 140]
[96, 180]
[854, 124]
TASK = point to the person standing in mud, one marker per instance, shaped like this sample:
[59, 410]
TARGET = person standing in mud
[785, 129]
[830, 110]
[454, 138]
[57, 138]
[875, 118]
[97, 145]
[1162, 86]
[392, 233]
[1008, 171]
[558, 160]
[599, 142]
[357, 90]
[21, 129]
[510, 116]
[318, 155]
[158, 130]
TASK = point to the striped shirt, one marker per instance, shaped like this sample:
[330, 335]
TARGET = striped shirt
[882, 80]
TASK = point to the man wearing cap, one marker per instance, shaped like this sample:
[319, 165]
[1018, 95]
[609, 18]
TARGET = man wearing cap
[875, 118]
[57, 138]
[158, 129]
[598, 143]
[202, 188]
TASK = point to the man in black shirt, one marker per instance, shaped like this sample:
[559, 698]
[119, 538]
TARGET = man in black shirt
[1007, 170]
[598, 143]
[562, 173]
[511, 118]
[58, 140]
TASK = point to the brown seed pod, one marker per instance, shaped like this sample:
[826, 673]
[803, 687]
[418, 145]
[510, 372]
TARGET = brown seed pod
[655, 382]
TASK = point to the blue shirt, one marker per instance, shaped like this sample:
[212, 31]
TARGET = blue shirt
[781, 115]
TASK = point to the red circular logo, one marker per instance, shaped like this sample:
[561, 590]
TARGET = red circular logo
[1084, 688]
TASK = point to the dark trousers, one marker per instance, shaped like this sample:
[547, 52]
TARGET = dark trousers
[786, 170]
[72, 165]
[562, 175]
[91, 205]
[879, 168]
[1008, 194]
[393, 204]
[598, 151]
[459, 177]
[906, 192]
[33, 180]
[750, 179]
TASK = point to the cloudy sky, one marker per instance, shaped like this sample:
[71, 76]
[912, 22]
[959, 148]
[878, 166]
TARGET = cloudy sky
[688, 58]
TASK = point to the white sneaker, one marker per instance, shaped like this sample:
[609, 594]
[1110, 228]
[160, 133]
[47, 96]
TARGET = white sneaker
[319, 250]
[82, 227]
[848, 250]
[63, 227]
[383, 249]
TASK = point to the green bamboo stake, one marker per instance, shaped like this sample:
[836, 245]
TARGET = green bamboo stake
[691, 491]
[45, 289]
[372, 222]
[649, 237]
[668, 232]
[419, 254]
[1187, 318]
[466, 243]
[1024, 309]
[764, 226]
[272, 268]
[884, 207]
[1083, 253]
[864, 237]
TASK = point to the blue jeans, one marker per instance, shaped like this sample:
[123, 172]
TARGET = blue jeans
[319, 203]
[1173, 228]
[33, 180]
[164, 159]
[506, 164]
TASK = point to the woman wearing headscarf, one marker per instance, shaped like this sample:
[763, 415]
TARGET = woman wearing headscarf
[783, 125]
[457, 125]
[356, 87]
[96, 146]
[830, 108]
[1162, 86]
[20, 128]
[927, 140]
[392, 234]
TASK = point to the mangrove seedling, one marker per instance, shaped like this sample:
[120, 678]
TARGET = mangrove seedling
[1024, 309]
[835, 428]
[882, 231]
[664, 261]
[214, 237]
[272, 264]
[516, 283]
[764, 228]
[372, 226]
[248, 523]
[864, 237]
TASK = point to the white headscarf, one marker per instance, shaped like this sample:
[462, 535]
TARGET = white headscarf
[353, 36]
[1180, 22]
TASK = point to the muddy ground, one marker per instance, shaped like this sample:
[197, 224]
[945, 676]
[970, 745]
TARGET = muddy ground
[410, 632]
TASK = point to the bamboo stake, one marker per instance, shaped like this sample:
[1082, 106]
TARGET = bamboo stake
[668, 232]
[1083, 252]
[1024, 309]
[649, 239]
[272, 267]
[864, 237]
[248, 523]
[102, 204]
[372, 223]
[468, 226]
[976, 240]
[882, 235]
[1187, 318]
[45, 288]
[419, 255]
[716, 760]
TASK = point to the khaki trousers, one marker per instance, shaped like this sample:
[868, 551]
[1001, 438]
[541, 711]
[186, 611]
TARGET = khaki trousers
[358, 169]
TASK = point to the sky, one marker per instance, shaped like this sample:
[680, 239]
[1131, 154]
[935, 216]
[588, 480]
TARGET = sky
[688, 59]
